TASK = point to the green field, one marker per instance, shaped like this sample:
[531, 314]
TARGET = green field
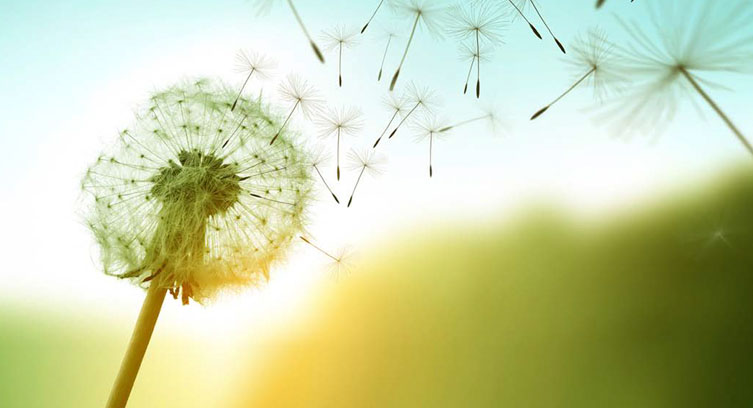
[650, 308]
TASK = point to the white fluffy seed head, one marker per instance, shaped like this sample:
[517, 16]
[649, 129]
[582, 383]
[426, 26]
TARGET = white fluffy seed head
[193, 198]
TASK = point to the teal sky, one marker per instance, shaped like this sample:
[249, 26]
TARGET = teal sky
[72, 72]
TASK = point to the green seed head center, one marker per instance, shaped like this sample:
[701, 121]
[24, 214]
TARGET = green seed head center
[200, 184]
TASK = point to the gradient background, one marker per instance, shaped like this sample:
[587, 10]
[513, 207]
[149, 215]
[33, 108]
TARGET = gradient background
[548, 265]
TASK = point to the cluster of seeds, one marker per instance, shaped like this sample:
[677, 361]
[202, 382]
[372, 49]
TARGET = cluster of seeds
[193, 197]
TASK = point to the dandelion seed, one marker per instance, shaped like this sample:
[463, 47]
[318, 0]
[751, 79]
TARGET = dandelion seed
[339, 38]
[342, 122]
[396, 105]
[600, 3]
[483, 24]
[366, 162]
[520, 13]
[423, 14]
[172, 209]
[339, 261]
[320, 159]
[365, 26]
[536, 9]
[303, 96]
[594, 63]
[692, 41]
[251, 64]
[419, 99]
[490, 116]
[265, 5]
[429, 127]
[390, 36]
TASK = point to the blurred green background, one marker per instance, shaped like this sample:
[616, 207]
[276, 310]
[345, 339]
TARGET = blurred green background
[646, 308]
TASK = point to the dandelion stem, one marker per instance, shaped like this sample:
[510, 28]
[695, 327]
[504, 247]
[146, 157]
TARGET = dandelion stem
[319, 249]
[465, 122]
[431, 145]
[384, 57]
[260, 197]
[338, 153]
[405, 53]
[386, 128]
[306, 32]
[403, 120]
[468, 77]
[325, 183]
[478, 66]
[559, 44]
[573, 86]
[286, 122]
[533, 28]
[142, 333]
[242, 88]
[717, 109]
[356, 186]
[372, 16]
[340, 66]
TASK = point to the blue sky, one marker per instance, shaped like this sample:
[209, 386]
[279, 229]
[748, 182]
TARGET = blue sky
[71, 74]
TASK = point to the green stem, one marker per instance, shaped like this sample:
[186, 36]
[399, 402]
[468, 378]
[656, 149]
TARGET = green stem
[142, 333]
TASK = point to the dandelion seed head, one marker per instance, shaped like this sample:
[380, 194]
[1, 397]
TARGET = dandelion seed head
[319, 156]
[339, 36]
[703, 37]
[421, 96]
[296, 90]
[429, 125]
[346, 120]
[468, 52]
[252, 62]
[594, 52]
[428, 12]
[486, 19]
[343, 263]
[395, 102]
[368, 160]
[192, 198]
[681, 39]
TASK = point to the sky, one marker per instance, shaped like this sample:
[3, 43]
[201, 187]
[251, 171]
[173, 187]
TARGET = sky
[72, 73]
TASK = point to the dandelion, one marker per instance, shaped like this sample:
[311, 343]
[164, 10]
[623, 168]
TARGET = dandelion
[419, 99]
[339, 262]
[365, 26]
[251, 64]
[594, 62]
[429, 127]
[396, 106]
[481, 23]
[600, 3]
[468, 53]
[319, 160]
[265, 5]
[692, 42]
[423, 14]
[520, 13]
[536, 9]
[490, 116]
[390, 36]
[192, 200]
[366, 162]
[338, 39]
[302, 95]
[342, 122]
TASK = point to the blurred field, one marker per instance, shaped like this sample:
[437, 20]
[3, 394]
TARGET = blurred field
[651, 308]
